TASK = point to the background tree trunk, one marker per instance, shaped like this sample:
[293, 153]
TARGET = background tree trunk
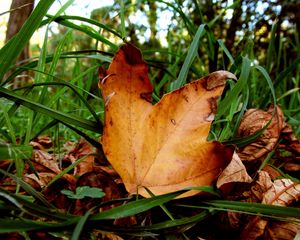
[20, 11]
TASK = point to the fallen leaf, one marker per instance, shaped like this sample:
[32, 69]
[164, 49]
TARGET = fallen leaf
[41, 142]
[82, 150]
[161, 147]
[282, 230]
[291, 143]
[254, 228]
[253, 121]
[44, 162]
[39, 180]
[234, 172]
[282, 192]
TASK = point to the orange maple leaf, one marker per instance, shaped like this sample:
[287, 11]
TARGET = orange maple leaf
[162, 147]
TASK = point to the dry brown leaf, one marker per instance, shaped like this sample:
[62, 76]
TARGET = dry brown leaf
[282, 192]
[45, 162]
[82, 150]
[254, 120]
[291, 143]
[254, 229]
[234, 172]
[261, 186]
[281, 230]
[39, 182]
[161, 147]
[41, 142]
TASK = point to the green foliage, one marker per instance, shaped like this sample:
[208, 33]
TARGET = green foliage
[82, 192]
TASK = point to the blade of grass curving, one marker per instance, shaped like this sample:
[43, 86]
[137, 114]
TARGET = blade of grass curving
[122, 18]
[270, 84]
[10, 52]
[242, 111]
[7, 120]
[162, 206]
[87, 20]
[62, 117]
[153, 228]
[66, 170]
[30, 190]
[63, 8]
[192, 53]
[79, 226]
[257, 208]
[230, 97]
[76, 54]
[46, 127]
[289, 92]
[86, 29]
[92, 141]
[286, 72]
[179, 222]
[23, 225]
[13, 151]
[73, 88]
[32, 208]
[136, 207]
[226, 51]
[272, 49]
[238, 88]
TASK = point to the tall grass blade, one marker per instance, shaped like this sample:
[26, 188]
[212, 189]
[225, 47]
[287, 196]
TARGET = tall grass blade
[13, 48]
[192, 53]
[12, 151]
[30, 190]
[62, 117]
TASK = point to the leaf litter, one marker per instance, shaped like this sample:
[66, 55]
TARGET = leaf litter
[137, 133]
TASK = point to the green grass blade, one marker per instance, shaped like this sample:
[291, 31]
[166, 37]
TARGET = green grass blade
[8, 226]
[79, 18]
[73, 88]
[271, 52]
[269, 81]
[62, 117]
[192, 53]
[30, 190]
[79, 226]
[122, 17]
[238, 88]
[226, 51]
[66, 170]
[257, 208]
[136, 207]
[9, 125]
[10, 52]
[12, 151]
[22, 204]
[88, 30]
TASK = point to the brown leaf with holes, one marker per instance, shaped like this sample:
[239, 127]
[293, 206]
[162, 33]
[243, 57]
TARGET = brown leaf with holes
[253, 121]
[281, 192]
[161, 147]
